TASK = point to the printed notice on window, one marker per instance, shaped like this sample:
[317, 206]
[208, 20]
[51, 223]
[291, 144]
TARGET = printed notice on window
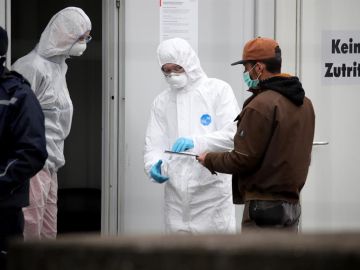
[179, 19]
[341, 57]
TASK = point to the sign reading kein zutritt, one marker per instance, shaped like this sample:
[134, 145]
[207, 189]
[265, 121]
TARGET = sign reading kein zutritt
[341, 57]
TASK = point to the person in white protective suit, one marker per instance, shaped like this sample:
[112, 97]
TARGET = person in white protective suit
[66, 35]
[201, 111]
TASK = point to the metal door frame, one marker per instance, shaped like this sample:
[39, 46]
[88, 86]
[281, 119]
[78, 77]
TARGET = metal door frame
[5, 21]
[112, 172]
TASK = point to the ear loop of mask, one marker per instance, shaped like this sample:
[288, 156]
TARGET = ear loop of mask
[68, 52]
[252, 69]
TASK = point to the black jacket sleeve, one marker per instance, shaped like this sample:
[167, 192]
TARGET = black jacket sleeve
[26, 146]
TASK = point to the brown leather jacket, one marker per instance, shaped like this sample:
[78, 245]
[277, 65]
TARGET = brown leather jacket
[272, 145]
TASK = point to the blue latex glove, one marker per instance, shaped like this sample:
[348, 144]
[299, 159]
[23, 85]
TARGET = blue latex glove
[155, 173]
[182, 144]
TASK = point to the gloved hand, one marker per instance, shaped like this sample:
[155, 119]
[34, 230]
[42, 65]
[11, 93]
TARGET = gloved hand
[182, 144]
[155, 173]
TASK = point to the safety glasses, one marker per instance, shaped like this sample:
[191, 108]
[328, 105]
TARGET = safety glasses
[85, 38]
[172, 70]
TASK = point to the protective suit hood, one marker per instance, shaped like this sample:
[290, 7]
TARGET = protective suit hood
[63, 30]
[178, 51]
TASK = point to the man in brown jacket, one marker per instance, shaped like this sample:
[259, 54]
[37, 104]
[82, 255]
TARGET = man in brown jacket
[273, 142]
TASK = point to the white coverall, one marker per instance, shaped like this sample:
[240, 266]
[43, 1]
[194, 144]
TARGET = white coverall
[204, 110]
[45, 69]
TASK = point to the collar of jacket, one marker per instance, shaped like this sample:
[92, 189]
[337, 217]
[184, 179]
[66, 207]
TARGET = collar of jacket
[286, 85]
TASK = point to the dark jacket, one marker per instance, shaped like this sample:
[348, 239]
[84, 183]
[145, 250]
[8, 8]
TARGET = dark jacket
[272, 146]
[22, 139]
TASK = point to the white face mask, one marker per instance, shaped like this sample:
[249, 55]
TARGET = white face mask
[177, 80]
[77, 49]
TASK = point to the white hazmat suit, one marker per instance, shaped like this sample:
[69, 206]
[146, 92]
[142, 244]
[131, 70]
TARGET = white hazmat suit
[204, 110]
[45, 69]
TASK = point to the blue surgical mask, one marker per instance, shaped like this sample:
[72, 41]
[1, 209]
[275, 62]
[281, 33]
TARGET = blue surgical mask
[250, 82]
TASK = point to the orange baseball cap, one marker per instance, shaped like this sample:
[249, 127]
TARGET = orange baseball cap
[260, 49]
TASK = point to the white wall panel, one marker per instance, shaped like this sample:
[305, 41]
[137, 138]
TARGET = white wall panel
[330, 197]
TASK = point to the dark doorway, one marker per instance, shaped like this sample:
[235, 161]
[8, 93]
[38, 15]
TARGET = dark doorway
[80, 179]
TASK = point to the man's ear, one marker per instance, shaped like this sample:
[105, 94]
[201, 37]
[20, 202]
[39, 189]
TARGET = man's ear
[260, 67]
